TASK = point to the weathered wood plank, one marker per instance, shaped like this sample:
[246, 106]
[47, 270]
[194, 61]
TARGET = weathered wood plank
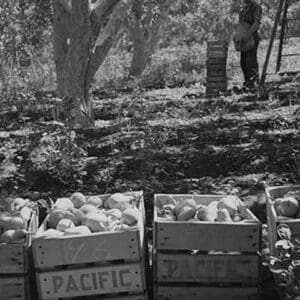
[208, 236]
[205, 236]
[12, 258]
[216, 79]
[13, 288]
[206, 293]
[217, 54]
[91, 281]
[52, 252]
[109, 297]
[221, 85]
[212, 268]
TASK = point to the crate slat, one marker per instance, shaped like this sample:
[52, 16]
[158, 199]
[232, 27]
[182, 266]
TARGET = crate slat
[12, 258]
[52, 252]
[91, 281]
[218, 236]
[216, 79]
[206, 293]
[212, 268]
[216, 85]
[109, 297]
[217, 54]
[13, 288]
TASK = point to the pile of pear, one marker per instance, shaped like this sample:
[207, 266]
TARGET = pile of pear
[15, 216]
[227, 209]
[288, 205]
[80, 214]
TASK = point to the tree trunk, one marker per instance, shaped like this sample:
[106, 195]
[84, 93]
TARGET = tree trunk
[145, 37]
[140, 58]
[84, 32]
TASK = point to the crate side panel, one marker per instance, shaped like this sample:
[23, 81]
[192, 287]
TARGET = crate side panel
[207, 236]
[12, 258]
[272, 224]
[206, 293]
[111, 297]
[13, 288]
[91, 281]
[50, 252]
[242, 269]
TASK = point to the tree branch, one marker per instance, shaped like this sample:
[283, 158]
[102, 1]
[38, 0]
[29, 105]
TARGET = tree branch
[107, 37]
[101, 10]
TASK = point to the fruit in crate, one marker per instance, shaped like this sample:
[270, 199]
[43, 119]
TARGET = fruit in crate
[130, 216]
[223, 215]
[227, 209]
[88, 208]
[186, 213]
[15, 219]
[180, 204]
[288, 207]
[78, 199]
[204, 214]
[54, 217]
[12, 235]
[68, 215]
[96, 222]
[295, 194]
[64, 224]
[231, 203]
[117, 198]
[63, 203]
[95, 201]
[75, 215]
[77, 230]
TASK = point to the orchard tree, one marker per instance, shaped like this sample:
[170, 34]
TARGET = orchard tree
[145, 24]
[84, 32]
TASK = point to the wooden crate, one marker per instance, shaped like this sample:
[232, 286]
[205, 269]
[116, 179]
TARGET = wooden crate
[14, 287]
[16, 266]
[219, 85]
[205, 293]
[216, 79]
[226, 253]
[271, 194]
[105, 263]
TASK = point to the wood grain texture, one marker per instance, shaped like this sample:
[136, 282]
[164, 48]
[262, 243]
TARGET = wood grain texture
[91, 281]
[205, 293]
[98, 247]
[13, 288]
[212, 268]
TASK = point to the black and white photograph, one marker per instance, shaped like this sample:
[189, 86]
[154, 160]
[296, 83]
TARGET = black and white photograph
[149, 150]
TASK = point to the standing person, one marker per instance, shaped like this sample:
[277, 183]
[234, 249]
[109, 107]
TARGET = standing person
[250, 16]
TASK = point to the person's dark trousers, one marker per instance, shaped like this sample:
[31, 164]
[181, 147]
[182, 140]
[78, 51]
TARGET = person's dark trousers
[249, 66]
